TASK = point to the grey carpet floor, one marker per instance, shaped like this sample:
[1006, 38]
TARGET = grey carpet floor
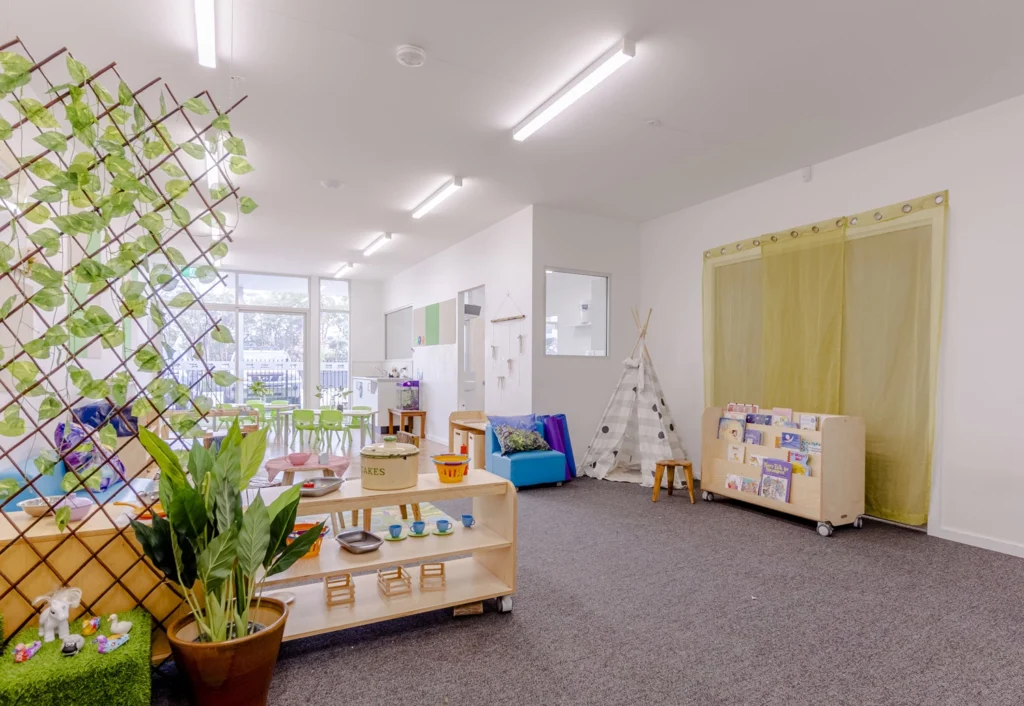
[624, 602]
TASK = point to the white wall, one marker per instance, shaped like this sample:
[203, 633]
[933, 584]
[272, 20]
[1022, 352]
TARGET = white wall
[581, 387]
[978, 489]
[367, 323]
[499, 258]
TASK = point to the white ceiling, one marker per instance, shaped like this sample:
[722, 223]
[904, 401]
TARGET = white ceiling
[744, 91]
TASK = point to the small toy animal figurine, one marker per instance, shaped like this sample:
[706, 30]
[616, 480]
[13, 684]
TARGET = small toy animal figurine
[73, 644]
[105, 645]
[90, 626]
[120, 627]
[23, 653]
[53, 621]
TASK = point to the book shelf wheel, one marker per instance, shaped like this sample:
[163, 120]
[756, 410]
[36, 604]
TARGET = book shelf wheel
[505, 604]
[859, 522]
[825, 529]
[707, 495]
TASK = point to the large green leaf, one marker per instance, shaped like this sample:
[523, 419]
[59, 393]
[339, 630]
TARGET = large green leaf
[49, 408]
[48, 194]
[35, 112]
[222, 122]
[253, 448]
[44, 275]
[172, 169]
[221, 334]
[37, 214]
[90, 270]
[175, 256]
[12, 424]
[216, 561]
[296, 550]
[48, 298]
[254, 537]
[193, 150]
[52, 141]
[240, 165]
[235, 145]
[96, 390]
[153, 222]
[180, 215]
[14, 63]
[8, 304]
[188, 514]
[24, 371]
[153, 149]
[148, 360]
[176, 188]
[219, 250]
[285, 499]
[120, 204]
[222, 378]
[108, 436]
[46, 461]
[156, 314]
[77, 70]
[182, 300]
[6, 131]
[118, 165]
[248, 205]
[5, 189]
[124, 94]
[44, 169]
[48, 239]
[165, 458]
[62, 517]
[196, 105]
[37, 348]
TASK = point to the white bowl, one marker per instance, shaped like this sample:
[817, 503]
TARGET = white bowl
[36, 507]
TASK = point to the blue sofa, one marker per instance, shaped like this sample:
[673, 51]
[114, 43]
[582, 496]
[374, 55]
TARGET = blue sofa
[526, 468]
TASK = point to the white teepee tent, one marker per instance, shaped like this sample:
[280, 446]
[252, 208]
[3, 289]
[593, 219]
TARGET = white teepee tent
[636, 430]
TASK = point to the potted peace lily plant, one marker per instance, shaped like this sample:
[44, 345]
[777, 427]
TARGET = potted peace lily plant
[220, 554]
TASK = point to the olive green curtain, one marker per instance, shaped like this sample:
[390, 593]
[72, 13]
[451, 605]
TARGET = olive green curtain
[842, 316]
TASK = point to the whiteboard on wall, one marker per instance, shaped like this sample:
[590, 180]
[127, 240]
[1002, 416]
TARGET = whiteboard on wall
[398, 334]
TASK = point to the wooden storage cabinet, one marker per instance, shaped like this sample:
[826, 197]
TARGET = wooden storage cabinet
[833, 496]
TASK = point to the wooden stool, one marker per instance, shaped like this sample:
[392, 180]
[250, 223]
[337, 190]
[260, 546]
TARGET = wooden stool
[659, 473]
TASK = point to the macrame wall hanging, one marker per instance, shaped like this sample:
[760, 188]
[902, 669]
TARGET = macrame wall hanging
[508, 343]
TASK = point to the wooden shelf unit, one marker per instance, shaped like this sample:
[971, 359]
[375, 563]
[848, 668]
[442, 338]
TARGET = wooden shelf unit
[833, 494]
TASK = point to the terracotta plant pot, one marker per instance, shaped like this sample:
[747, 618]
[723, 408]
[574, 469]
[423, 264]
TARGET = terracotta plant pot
[232, 672]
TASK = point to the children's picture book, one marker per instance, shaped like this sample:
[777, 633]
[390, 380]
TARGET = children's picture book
[759, 419]
[789, 440]
[790, 425]
[781, 415]
[809, 422]
[801, 463]
[731, 430]
[810, 447]
[776, 477]
[750, 408]
[756, 459]
[749, 485]
[737, 452]
[735, 415]
[752, 436]
[733, 481]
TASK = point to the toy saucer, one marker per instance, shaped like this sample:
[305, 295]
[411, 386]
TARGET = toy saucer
[444, 534]
[421, 534]
[389, 538]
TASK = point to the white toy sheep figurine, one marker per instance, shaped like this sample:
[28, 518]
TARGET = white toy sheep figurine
[53, 620]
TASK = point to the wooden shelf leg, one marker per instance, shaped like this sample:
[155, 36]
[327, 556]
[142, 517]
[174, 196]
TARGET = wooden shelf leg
[355, 518]
[671, 478]
[405, 512]
[416, 512]
[367, 516]
[659, 472]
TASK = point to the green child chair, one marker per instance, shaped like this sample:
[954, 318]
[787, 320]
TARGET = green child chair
[261, 412]
[305, 424]
[352, 424]
[332, 426]
[274, 415]
[224, 421]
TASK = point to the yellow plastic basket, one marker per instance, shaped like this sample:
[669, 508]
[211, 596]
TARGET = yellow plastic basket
[451, 468]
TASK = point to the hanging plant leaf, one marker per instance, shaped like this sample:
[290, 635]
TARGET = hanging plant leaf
[12, 424]
[248, 205]
[6, 131]
[139, 117]
[80, 116]
[221, 334]
[120, 204]
[35, 112]
[96, 390]
[77, 70]
[193, 150]
[49, 408]
[222, 378]
[5, 189]
[108, 436]
[196, 105]
[52, 141]
[126, 182]
[45, 275]
[90, 270]
[153, 149]
[163, 105]
[200, 350]
[11, 82]
[85, 160]
[214, 219]
[86, 135]
[239, 165]
[222, 122]
[102, 93]
[48, 239]
[114, 337]
[176, 188]
[55, 336]
[24, 371]
[171, 169]
[157, 315]
[48, 194]
[5, 309]
[47, 459]
[44, 169]
[182, 300]
[111, 147]
[133, 306]
[148, 360]
[79, 377]
[180, 215]
[219, 250]
[141, 408]
[153, 222]
[218, 192]
[62, 517]
[118, 115]
[206, 274]
[124, 94]
[235, 145]
[116, 164]
[37, 348]
[131, 289]
[175, 256]
[48, 299]
[37, 214]
[119, 392]
[14, 63]
[7, 254]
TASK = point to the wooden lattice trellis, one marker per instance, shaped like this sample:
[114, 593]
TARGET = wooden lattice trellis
[87, 231]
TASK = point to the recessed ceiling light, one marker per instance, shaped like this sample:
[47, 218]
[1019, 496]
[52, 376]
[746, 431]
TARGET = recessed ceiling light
[206, 33]
[437, 197]
[601, 69]
[346, 267]
[377, 244]
[331, 183]
[411, 56]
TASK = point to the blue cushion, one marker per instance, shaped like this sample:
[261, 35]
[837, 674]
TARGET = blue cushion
[527, 467]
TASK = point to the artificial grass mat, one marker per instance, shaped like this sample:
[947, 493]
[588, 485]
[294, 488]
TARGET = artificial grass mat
[120, 678]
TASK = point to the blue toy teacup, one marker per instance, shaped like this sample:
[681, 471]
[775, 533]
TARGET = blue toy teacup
[443, 525]
[468, 521]
[396, 531]
[419, 527]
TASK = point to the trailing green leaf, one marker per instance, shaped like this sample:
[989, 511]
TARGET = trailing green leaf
[48, 194]
[193, 150]
[180, 215]
[247, 205]
[62, 517]
[12, 424]
[240, 165]
[223, 378]
[124, 94]
[235, 145]
[221, 334]
[48, 239]
[77, 70]
[222, 122]
[35, 112]
[176, 188]
[195, 105]
[182, 300]
[172, 169]
[148, 359]
[52, 141]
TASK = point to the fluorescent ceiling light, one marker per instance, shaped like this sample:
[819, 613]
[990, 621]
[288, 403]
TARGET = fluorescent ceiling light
[206, 33]
[601, 69]
[437, 197]
[377, 244]
[346, 267]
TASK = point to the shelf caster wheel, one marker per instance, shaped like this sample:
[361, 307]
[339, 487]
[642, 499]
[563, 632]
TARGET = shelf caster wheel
[707, 495]
[825, 529]
[558, 485]
[505, 604]
[859, 522]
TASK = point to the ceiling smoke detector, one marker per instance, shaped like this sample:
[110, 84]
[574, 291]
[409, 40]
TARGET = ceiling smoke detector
[411, 56]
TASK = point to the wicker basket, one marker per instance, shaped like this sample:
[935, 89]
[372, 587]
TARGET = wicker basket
[301, 527]
[451, 468]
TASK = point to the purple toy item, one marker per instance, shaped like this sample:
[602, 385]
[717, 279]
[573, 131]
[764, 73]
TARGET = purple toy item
[79, 460]
[105, 645]
[23, 653]
[556, 430]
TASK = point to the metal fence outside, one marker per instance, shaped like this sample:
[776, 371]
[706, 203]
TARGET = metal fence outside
[283, 378]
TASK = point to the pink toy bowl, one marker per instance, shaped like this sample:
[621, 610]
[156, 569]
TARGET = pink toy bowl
[298, 459]
[79, 506]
